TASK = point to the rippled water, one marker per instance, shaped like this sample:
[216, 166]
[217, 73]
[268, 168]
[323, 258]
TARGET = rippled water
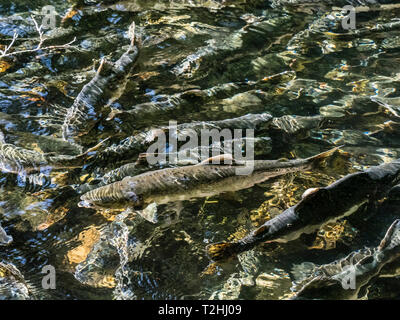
[231, 52]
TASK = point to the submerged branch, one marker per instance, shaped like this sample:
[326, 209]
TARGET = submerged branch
[5, 53]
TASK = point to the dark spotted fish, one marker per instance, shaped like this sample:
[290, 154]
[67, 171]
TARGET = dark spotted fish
[248, 121]
[19, 160]
[196, 181]
[281, 129]
[138, 143]
[317, 208]
[344, 279]
[185, 156]
[110, 78]
[168, 106]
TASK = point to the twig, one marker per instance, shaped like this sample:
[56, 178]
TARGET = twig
[39, 30]
[5, 52]
[64, 46]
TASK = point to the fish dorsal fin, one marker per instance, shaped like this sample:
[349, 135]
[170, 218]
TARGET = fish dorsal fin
[131, 32]
[222, 159]
[308, 192]
[105, 67]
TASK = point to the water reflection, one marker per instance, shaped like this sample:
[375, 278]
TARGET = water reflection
[200, 61]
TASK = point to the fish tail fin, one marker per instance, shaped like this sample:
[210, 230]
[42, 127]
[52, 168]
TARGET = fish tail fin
[317, 159]
[222, 250]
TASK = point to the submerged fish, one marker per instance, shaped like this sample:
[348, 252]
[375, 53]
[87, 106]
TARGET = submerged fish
[19, 160]
[196, 181]
[185, 156]
[139, 143]
[318, 207]
[344, 279]
[169, 106]
[109, 80]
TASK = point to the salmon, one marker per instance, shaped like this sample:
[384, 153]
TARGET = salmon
[194, 181]
[318, 207]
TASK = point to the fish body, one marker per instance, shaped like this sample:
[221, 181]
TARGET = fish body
[19, 160]
[195, 181]
[138, 143]
[100, 90]
[248, 121]
[319, 207]
[343, 279]
[185, 156]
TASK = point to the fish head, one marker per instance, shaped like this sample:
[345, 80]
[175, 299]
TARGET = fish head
[86, 204]
[134, 199]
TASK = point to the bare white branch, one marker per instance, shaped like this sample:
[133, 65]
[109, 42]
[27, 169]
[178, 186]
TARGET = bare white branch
[40, 32]
[4, 52]
[39, 46]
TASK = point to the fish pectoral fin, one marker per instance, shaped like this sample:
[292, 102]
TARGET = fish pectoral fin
[149, 213]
